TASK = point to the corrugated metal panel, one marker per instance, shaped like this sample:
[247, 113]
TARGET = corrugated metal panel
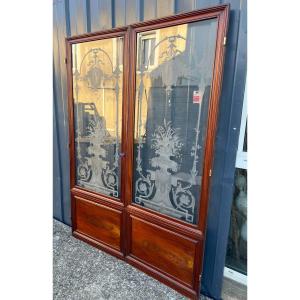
[206, 3]
[72, 17]
[119, 13]
[60, 107]
[150, 9]
[133, 11]
[78, 16]
[57, 196]
[183, 6]
[165, 8]
[101, 14]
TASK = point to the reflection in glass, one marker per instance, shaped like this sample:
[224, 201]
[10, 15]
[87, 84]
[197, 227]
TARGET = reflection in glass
[236, 258]
[245, 145]
[173, 80]
[97, 89]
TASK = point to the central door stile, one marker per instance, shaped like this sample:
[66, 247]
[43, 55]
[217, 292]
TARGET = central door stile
[130, 131]
[127, 144]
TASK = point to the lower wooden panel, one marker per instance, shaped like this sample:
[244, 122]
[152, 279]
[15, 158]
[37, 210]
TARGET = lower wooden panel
[98, 222]
[166, 279]
[166, 251]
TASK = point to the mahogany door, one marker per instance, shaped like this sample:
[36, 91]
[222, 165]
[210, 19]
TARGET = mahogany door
[97, 71]
[143, 104]
[176, 66]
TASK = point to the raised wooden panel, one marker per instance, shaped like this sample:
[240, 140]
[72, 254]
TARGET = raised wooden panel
[98, 222]
[163, 249]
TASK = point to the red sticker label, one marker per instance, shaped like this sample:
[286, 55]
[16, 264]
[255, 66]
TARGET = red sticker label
[197, 97]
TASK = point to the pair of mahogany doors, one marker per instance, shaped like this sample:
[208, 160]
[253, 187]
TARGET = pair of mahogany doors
[143, 103]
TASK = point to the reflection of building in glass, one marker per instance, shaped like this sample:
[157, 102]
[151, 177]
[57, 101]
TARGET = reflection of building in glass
[237, 241]
[236, 258]
[172, 97]
[98, 79]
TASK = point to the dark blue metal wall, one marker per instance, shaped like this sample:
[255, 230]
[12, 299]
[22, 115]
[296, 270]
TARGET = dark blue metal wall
[72, 17]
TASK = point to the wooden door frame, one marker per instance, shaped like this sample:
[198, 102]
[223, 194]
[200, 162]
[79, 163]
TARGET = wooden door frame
[221, 13]
[195, 233]
[76, 191]
[89, 37]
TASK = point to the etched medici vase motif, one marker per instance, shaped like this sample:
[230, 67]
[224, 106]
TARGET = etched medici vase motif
[97, 78]
[173, 78]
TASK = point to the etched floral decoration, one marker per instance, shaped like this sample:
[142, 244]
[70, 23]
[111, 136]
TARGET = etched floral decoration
[97, 152]
[95, 74]
[166, 144]
[170, 130]
[170, 194]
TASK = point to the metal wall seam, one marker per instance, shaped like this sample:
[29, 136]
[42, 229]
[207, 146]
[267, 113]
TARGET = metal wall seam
[101, 14]
[60, 96]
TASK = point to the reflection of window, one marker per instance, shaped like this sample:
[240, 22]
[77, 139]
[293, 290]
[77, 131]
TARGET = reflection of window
[241, 156]
[236, 257]
[168, 150]
[98, 82]
[118, 52]
[148, 56]
[245, 145]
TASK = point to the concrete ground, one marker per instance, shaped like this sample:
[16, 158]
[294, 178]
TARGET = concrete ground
[82, 272]
[233, 290]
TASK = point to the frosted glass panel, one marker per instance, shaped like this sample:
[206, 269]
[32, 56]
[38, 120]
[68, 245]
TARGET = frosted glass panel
[173, 81]
[97, 89]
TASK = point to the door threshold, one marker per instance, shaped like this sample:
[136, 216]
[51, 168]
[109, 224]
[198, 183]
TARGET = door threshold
[235, 276]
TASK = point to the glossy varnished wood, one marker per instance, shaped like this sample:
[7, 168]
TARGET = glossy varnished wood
[221, 14]
[162, 221]
[98, 221]
[164, 247]
[88, 206]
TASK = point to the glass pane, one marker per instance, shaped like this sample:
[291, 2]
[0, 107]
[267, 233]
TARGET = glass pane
[245, 145]
[236, 258]
[171, 107]
[97, 89]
